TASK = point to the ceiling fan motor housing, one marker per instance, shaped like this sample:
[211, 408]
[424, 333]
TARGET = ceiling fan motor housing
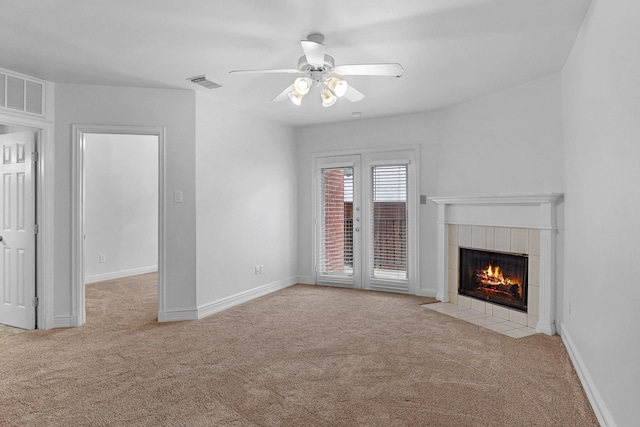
[305, 67]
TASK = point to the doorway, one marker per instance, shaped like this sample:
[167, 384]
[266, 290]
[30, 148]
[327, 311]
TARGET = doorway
[121, 206]
[366, 221]
[99, 256]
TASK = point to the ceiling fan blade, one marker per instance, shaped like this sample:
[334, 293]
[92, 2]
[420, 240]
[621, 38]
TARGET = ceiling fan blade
[267, 71]
[314, 52]
[283, 95]
[393, 70]
[353, 94]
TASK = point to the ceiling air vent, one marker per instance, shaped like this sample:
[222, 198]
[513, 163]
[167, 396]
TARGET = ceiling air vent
[204, 82]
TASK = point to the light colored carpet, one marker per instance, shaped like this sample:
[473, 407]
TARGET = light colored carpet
[304, 356]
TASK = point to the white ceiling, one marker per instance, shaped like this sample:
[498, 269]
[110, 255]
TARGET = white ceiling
[451, 50]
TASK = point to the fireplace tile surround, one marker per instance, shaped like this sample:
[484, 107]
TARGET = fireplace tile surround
[515, 240]
[517, 224]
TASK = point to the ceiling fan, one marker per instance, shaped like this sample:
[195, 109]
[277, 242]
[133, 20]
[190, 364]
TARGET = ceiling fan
[319, 70]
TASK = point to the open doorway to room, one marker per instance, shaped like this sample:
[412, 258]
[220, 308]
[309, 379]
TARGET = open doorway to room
[117, 244]
[120, 220]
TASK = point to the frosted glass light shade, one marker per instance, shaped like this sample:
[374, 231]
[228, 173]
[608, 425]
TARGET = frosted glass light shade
[302, 85]
[338, 86]
[328, 98]
[295, 97]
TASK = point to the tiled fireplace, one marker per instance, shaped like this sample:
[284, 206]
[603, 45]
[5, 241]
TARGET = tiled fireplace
[520, 226]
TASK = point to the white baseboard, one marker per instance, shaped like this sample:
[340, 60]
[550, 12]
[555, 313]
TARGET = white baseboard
[120, 274]
[242, 297]
[306, 280]
[65, 321]
[48, 322]
[177, 315]
[426, 293]
[598, 405]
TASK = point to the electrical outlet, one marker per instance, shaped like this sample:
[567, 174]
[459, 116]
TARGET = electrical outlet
[261, 269]
[102, 258]
[257, 269]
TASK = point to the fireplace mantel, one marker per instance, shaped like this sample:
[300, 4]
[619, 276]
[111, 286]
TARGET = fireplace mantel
[536, 211]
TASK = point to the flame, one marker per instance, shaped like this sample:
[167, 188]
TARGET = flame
[492, 278]
[497, 274]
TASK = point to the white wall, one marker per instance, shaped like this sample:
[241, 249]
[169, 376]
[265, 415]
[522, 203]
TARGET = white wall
[121, 205]
[506, 143]
[172, 109]
[246, 201]
[518, 130]
[601, 87]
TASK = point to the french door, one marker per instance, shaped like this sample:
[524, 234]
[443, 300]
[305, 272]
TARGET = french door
[365, 222]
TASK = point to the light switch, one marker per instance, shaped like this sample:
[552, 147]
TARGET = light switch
[177, 196]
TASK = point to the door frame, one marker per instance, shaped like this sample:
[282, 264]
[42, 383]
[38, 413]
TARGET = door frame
[77, 210]
[330, 162]
[377, 156]
[44, 196]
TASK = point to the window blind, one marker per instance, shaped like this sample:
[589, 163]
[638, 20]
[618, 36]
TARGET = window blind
[389, 222]
[336, 252]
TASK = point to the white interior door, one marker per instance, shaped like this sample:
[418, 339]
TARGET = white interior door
[17, 216]
[366, 221]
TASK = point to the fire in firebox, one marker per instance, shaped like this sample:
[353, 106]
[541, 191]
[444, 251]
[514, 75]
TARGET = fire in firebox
[491, 279]
[496, 277]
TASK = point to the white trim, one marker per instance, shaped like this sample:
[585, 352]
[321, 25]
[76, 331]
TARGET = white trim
[599, 407]
[363, 151]
[306, 280]
[531, 199]
[390, 162]
[120, 274]
[45, 211]
[77, 211]
[423, 292]
[64, 321]
[242, 297]
[528, 211]
[177, 315]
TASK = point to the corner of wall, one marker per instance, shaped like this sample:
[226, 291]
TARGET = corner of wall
[597, 403]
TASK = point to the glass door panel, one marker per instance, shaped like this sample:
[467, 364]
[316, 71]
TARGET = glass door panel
[336, 256]
[388, 249]
[338, 221]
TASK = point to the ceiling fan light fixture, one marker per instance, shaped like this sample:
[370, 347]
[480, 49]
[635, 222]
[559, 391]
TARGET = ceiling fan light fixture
[302, 85]
[338, 86]
[295, 97]
[328, 98]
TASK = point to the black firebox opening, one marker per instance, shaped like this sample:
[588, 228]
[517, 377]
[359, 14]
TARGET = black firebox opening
[497, 277]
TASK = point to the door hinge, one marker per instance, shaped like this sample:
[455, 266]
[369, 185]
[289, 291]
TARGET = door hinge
[35, 156]
[36, 229]
[35, 301]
